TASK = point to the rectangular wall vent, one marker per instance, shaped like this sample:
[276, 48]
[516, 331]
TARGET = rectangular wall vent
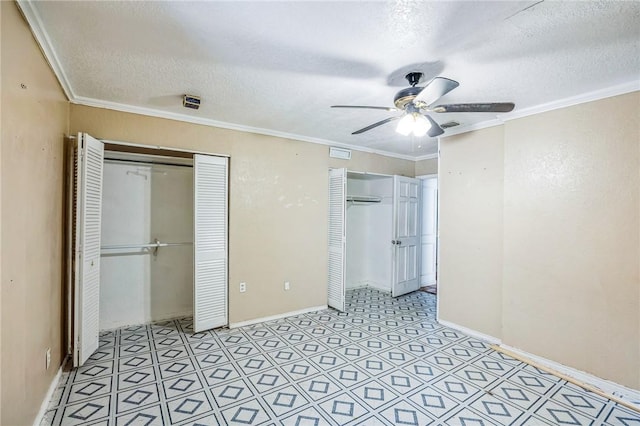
[343, 154]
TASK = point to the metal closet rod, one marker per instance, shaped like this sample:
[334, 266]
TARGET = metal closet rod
[150, 245]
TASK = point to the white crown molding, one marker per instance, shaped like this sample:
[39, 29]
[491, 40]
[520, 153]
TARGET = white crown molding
[620, 89]
[427, 157]
[42, 38]
[608, 92]
[473, 127]
[498, 121]
[97, 103]
[33, 19]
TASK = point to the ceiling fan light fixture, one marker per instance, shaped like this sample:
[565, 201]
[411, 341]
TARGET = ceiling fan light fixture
[421, 125]
[405, 125]
[415, 123]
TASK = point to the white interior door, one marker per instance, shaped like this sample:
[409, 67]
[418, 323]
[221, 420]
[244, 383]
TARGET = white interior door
[89, 155]
[337, 238]
[429, 230]
[210, 242]
[406, 260]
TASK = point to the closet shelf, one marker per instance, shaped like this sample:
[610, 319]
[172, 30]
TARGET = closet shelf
[364, 198]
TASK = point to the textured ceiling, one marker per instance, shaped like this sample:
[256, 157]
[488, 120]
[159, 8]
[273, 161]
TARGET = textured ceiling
[279, 65]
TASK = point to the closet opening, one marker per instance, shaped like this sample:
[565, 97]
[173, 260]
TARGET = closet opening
[146, 271]
[369, 253]
[374, 234]
[148, 240]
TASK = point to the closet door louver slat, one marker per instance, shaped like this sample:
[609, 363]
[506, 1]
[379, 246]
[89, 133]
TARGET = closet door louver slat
[210, 242]
[337, 240]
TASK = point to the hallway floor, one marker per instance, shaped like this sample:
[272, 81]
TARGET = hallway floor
[383, 362]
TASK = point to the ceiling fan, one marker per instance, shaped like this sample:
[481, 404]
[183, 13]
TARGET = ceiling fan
[416, 102]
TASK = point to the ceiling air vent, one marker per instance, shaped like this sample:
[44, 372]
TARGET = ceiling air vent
[449, 124]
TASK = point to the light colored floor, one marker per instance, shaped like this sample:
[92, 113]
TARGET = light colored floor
[383, 362]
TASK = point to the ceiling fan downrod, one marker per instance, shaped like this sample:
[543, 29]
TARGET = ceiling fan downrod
[413, 78]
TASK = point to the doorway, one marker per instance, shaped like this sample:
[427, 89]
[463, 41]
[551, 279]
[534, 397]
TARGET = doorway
[429, 233]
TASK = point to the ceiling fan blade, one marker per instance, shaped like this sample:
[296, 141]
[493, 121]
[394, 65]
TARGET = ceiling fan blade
[489, 107]
[379, 123]
[437, 88]
[435, 129]
[365, 107]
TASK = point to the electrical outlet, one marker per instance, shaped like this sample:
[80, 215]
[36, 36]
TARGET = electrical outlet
[48, 357]
[243, 287]
[287, 286]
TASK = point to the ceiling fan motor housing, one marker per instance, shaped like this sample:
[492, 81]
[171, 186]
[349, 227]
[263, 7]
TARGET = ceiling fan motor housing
[406, 96]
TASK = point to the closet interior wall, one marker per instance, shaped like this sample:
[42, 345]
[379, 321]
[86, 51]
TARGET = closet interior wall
[143, 202]
[369, 232]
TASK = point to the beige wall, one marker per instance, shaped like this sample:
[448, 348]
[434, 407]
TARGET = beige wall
[571, 224]
[426, 167]
[571, 234]
[470, 219]
[34, 121]
[277, 208]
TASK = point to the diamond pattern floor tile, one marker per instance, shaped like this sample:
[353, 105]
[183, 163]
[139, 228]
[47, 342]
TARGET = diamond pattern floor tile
[343, 409]
[188, 407]
[150, 416]
[248, 413]
[135, 399]
[384, 361]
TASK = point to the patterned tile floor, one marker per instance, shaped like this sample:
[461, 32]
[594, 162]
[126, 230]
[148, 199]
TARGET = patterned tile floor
[383, 362]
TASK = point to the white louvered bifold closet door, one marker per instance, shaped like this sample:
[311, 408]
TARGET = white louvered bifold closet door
[210, 242]
[88, 229]
[337, 238]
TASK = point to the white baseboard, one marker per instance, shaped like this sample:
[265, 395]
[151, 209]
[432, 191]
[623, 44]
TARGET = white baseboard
[277, 317]
[470, 332]
[52, 388]
[632, 396]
